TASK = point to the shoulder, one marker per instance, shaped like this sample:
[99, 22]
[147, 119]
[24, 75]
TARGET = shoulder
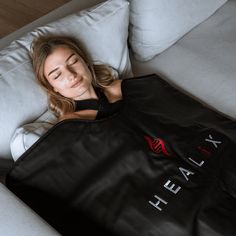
[114, 91]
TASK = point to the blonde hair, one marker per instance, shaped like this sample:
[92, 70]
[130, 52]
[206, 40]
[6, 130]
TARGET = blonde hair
[42, 47]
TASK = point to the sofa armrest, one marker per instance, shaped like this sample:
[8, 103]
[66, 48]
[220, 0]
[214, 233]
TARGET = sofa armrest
[16, 218]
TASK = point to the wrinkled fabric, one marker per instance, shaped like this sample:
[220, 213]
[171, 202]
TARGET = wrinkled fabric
[163, 165]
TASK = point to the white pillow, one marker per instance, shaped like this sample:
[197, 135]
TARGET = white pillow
[25, 136]
[102, 32]
[155, 25]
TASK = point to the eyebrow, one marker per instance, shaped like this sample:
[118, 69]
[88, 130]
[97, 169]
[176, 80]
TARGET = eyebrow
[58, 67]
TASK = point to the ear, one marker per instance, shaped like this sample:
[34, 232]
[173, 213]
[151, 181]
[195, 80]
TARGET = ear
[55, 90]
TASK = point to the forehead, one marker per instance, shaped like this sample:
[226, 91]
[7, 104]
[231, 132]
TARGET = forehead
[60, 52]
[57, 57]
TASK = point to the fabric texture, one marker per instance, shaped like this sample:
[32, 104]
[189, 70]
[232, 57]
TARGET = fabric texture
[163, 165]
[156, 25]
[102, 34]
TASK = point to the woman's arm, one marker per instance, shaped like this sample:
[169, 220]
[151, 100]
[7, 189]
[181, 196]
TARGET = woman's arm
[67, 116]
[85, 114]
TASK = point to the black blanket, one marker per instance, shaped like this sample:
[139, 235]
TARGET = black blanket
[163, 165]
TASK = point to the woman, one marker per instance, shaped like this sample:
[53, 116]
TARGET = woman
[76, 87]
[163, 165]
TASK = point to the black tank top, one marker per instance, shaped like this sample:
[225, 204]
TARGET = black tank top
[102, 105]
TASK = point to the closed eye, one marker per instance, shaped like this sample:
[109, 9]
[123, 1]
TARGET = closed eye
[72, 62]
[57, 76]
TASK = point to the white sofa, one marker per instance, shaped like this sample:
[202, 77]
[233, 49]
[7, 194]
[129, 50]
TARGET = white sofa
[191, 44]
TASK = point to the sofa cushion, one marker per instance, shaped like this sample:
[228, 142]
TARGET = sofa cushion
[158, 24]
[203, 62]
[101, 31]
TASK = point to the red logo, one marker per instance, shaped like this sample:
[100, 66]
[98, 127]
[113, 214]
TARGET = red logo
[157, 145]
[206, 152]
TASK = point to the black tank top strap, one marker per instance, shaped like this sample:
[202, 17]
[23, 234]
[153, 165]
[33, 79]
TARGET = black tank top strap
[90, 104]
[102, 105]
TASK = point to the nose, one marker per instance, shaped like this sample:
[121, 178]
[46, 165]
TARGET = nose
[70, 74]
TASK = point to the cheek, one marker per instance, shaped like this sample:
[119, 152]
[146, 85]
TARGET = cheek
[83, 68]
[57, 85]
[89, 75]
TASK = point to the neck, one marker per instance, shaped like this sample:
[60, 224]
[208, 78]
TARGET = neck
[88, 94]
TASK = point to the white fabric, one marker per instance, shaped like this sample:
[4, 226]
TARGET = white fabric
[17, 219]
[155, 25]
[101, 31]
[25, 136]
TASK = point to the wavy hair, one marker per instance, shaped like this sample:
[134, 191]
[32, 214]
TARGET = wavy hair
[42, 47]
